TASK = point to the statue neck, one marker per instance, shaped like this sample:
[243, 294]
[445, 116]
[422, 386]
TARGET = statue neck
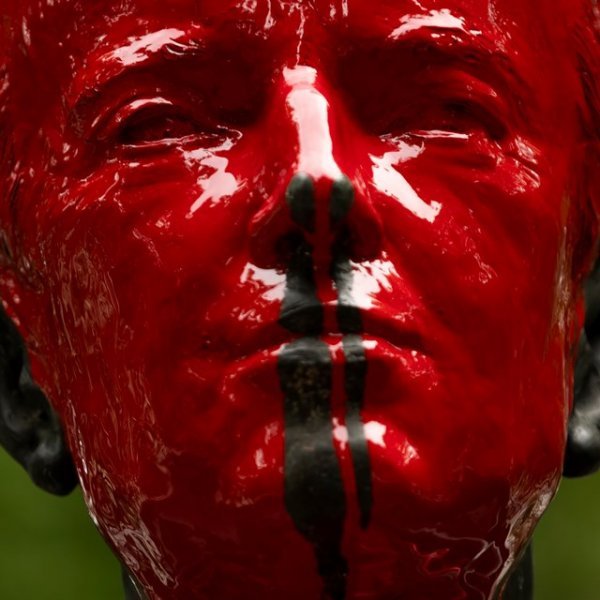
[520, 585]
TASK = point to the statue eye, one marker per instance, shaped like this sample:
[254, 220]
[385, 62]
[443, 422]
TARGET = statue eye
[467, 116]
[449, 101]
[457, 116]
[155, 126]
[153, 122]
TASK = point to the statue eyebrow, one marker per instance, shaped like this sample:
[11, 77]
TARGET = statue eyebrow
[409, 64]
[462, 48]
[435, 20]
[103, 68]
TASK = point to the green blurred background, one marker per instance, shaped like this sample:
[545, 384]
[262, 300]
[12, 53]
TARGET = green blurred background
[49, 549]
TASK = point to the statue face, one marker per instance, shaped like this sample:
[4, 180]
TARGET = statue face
[300, 279]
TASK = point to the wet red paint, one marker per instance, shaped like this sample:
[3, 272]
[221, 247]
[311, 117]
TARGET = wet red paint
[147, 147]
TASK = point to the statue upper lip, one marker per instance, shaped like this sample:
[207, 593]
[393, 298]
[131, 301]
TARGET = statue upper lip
[381, 323]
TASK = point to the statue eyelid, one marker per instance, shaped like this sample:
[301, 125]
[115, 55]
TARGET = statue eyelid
[486, 111]
[108, 122]
[456, 105]
[156, 121]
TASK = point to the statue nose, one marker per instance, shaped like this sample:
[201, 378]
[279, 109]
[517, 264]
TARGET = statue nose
[320, 212]
[315, 201]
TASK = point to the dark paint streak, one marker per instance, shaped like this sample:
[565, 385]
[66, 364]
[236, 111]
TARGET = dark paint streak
[313, 487]
[314, 491]
[355, 375]
[350, 323]
[300, 197]
[342, 199]
[301, 309]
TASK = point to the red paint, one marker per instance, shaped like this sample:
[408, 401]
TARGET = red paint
[146, 148]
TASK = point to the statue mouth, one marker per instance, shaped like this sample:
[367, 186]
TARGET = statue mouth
[393, 335]
[390, 352]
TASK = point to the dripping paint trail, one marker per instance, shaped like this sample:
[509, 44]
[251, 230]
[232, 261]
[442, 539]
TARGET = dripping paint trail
[314, 488]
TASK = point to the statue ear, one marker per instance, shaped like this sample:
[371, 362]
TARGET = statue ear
[583, 445]
[29, 428]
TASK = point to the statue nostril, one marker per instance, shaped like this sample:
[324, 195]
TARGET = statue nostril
[300, 198]
[320, 212]
[352, 212]
[342, 199]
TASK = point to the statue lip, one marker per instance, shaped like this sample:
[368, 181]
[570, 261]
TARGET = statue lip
[338, 320]
[253, 336]
[400, 332]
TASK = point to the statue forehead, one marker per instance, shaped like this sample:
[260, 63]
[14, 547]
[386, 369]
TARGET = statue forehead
[85, 27]
[60, 37]
[374, 16]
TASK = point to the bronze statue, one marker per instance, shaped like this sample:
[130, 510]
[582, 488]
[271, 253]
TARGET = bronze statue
[302, 283]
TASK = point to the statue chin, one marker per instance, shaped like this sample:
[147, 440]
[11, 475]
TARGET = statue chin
[302, 283]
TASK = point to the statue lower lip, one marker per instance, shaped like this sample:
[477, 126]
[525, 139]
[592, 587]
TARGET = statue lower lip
[379, 351]
[260, 329]
[253, 338]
